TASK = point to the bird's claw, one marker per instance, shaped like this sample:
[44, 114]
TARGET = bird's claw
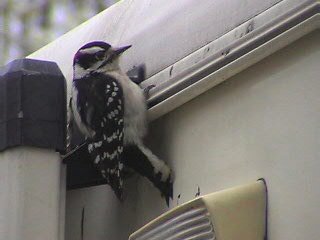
[147, 89]
[167, 189]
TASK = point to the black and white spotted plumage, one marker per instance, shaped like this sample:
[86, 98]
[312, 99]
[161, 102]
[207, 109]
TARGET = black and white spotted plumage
[110, 110]
[99, 102]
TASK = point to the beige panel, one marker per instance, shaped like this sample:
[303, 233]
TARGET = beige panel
[263, 122]
[235, 213]
[239, 212]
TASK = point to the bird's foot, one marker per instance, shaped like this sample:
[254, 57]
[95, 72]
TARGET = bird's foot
[165, 183]
[147, 89]
[167, 189]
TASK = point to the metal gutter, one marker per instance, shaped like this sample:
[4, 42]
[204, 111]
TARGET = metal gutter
[213, 69]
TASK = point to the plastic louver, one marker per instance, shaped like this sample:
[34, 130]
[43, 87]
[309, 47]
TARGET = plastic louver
[236, 213]
[191, 223]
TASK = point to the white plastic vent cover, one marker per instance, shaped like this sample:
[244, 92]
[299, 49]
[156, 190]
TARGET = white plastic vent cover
[236, 213]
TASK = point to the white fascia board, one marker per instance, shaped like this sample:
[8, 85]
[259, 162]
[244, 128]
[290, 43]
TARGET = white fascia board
[176, 40]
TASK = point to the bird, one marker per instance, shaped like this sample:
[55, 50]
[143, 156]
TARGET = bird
[110, 110]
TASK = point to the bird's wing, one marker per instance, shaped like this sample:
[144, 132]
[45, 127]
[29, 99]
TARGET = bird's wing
[104, 114]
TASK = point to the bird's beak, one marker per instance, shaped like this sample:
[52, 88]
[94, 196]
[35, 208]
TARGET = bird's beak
[120, 50]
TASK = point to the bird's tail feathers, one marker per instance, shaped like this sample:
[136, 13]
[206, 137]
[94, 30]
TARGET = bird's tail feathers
[159, 166]
[142, 160]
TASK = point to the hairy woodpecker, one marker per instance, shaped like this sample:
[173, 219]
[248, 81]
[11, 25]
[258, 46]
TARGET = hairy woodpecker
[110, 110]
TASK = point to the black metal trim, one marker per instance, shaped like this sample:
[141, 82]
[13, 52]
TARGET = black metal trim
[32, 105]
[266, 209]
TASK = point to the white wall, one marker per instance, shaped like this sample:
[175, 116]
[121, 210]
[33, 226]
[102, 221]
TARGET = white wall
[30, 193]
[264, 122]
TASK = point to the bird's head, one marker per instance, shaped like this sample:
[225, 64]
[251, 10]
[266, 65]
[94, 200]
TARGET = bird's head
[97, 56]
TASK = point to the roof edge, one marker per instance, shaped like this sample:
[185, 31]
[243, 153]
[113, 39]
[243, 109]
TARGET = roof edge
[206, 68]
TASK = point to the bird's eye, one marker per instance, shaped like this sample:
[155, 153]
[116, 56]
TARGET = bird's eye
[99, 55]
